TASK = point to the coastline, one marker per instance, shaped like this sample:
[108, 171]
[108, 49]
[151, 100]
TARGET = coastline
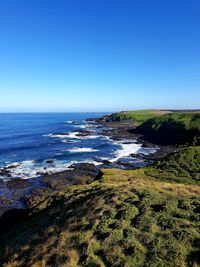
[94, 208]
[24, 192]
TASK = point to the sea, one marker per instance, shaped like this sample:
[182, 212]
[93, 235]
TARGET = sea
[32, 144]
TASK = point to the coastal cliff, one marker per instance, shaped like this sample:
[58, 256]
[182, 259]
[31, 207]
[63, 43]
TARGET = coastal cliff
[161, 127]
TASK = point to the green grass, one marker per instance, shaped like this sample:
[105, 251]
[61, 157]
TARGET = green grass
[181, 167]
[127, 218]
[139, 116]
[174, 128]
[165, 127]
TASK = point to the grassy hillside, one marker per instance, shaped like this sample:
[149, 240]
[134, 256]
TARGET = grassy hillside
[139, 116]
[174, 128]
[127, 218]
[181, 167]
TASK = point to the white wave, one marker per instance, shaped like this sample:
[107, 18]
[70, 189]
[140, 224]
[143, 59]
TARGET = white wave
[92, 137]
[80, 126]
[129, 147]
[126, 150]
[69, 122]
[81, 150]
[77, 135]
[69, 141]
[30, 169]
[23, 170]
[96, 163]
[72, 135]
[106, 137]
[86, 126]
[58, 135]
[13, 165]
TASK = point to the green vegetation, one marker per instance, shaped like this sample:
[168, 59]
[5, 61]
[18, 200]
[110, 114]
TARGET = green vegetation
[141, 217]
[181, 167]
[139, 116]
[174, 128]
[164, 127]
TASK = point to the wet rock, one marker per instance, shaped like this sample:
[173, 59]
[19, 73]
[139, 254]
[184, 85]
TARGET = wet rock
[18, 183]
[103, 161]
[126, 165]
[12, 166]
[5, 172]
[119, 132]
[137, 156]
[81, 173]
[107, 118]
[83, 133]
[50, 161]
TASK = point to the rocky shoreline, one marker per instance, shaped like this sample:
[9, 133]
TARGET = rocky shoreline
[25, 191]
[121, 130]
[29, 192]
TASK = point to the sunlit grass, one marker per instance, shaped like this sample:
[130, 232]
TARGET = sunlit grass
[127, 218]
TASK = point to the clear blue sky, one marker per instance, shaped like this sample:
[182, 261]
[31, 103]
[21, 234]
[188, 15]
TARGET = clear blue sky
[99, 55]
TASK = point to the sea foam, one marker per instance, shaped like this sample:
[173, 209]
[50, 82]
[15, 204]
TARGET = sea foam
[126, 150]
[81, 150]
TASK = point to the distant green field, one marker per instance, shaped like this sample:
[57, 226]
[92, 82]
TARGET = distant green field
[140, 116]
[188, 120]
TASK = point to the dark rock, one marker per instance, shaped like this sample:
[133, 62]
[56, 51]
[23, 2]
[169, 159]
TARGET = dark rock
[12, 166]
[137, 156]
[84, 167]
[126, 165]
[82, 173]
[5, 172]
[37, 196]
[54, 134]
[104, 161]
[82, 133]
[50, 161]
[107, 118]
[17, 183]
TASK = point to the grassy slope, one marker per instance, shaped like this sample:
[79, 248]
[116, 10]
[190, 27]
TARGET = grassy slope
[181, 167]
[139, 116]
[174, 128]
[128, 218]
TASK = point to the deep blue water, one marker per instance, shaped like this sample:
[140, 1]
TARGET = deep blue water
[26, 138]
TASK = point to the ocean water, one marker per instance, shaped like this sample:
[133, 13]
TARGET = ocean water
[36, 143]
